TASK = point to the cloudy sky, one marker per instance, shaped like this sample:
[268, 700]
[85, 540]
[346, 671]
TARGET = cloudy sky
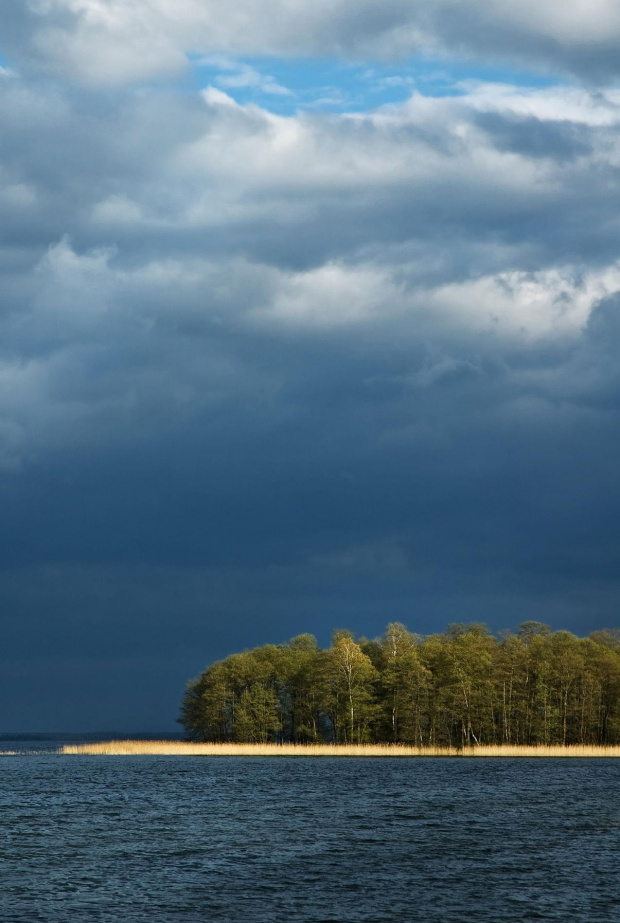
[309, 318]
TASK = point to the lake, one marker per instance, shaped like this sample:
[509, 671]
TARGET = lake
[191, 839]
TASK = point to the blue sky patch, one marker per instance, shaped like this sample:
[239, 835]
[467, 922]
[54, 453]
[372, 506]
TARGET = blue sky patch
[286, 86]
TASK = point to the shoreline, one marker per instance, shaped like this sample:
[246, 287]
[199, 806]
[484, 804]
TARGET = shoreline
[171, 748]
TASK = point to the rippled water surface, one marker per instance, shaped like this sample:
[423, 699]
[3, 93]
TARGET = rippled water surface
[159, 839]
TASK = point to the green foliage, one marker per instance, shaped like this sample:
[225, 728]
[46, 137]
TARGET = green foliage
[460, 688]
[347, 677]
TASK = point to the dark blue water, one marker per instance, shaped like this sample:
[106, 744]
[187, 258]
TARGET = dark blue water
[186, 839]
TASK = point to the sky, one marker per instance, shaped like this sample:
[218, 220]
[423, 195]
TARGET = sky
[309, 319]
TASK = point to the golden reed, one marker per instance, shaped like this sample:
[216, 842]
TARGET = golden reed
[178, 748]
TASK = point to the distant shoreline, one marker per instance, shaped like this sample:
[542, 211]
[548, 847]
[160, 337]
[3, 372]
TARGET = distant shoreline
[171, 748]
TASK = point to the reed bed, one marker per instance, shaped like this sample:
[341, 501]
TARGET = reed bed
[178, 748]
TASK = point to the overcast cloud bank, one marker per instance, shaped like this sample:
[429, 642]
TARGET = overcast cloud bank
[115, 41]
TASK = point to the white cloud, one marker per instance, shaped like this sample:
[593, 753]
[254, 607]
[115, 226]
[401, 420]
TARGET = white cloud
[239, 75]
[551, 104]
[76, 289]
[551, 303]
[214, 97]
[247, 77]
[509, 306]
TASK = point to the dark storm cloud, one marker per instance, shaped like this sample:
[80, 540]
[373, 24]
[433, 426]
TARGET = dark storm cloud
[262, 375]
[533, 137]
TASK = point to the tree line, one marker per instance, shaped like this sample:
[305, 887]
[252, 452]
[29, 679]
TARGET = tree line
[459, 688]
